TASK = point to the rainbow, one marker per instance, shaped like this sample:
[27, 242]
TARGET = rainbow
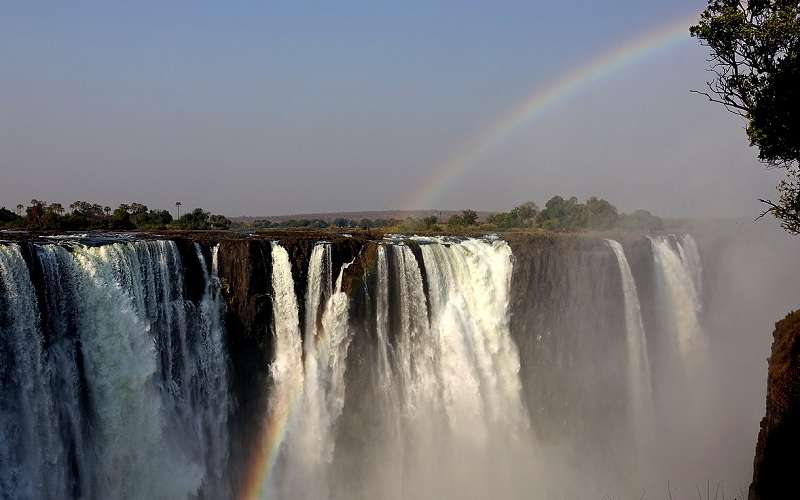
[545, 98]
[274, 426]
[268, 443]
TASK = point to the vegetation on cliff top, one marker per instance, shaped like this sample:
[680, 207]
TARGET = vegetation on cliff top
[559, 214]
[82, 215]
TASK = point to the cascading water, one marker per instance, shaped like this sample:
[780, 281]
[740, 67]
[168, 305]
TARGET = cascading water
[639, 375]
[679, 272]
[478, 362]
[310, 385]
[31, 453]
[123, 396]
[116, 366]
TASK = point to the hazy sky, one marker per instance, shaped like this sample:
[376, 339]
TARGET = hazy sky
[265, 108]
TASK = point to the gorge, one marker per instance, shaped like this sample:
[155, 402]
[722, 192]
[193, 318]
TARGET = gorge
[301, 365]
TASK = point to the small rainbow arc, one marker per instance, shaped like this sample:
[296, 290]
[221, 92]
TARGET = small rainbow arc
[543, 99]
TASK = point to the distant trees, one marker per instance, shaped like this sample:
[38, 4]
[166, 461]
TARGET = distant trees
[568, 214]
[558, 214]
[7, 216]
[341, 223]
[466, 218]
[521, 216]
[640, 220]
[561, 214]
[83, 215]
[600, 214]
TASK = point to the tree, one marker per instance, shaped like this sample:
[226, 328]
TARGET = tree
[20, 206]
[755, 67]
[35, 212]
[526, 213]
[178, 208]
[219, 222]
[470, 217]
[7, 215]
[196, 219]
[456, 221]
[600, 214]
[640, 220]
[430, 221]
[563, 215]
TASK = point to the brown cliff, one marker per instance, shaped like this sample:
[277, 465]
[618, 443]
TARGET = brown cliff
[776, 463]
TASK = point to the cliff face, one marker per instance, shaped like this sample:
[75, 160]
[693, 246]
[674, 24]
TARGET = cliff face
[775, 464]
[567, 319]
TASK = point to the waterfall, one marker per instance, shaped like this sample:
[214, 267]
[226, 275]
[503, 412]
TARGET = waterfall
[639, 377]
[479, 365]
[126, 394]
[382, 322]
[117, 379]
[210, 391]
[416, 350]
[690, 255]
[31, 454]
[316, 378]
[678, 269]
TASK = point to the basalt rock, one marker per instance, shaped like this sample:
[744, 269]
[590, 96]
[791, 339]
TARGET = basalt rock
[776, 461]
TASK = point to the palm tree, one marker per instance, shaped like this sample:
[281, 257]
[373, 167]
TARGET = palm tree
[20, 206]
[178, 206]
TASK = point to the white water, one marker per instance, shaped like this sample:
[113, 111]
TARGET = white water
[118, 332]
[382, 322]
[680, 274]
[31, 455]
[416, 349]
[131, 428]
[210, 389]
[639, 374]
[448, 411]
[479, 365]
[319, 381]
[286, 369]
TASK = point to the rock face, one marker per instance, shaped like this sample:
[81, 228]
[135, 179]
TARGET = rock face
[776, 464]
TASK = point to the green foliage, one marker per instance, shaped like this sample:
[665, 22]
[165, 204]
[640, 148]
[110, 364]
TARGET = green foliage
[41, 215]
[7, 216]
[430, 222]
[466, 218]
[526, 213]
[562, 215]
[219, 222]
[342, 222]
[470, 217]
[197, 219]
[640, 220]
[600, 214]
[755, 63]
[522, 216]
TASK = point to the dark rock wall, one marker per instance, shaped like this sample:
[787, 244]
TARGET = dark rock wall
[776, 462]
[568, 321]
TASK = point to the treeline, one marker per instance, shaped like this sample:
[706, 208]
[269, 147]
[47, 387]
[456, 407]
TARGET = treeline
[568, 214]
[558, 214]
[339, 223]
[82, 215]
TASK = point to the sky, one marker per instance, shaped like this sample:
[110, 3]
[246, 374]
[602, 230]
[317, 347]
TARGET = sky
[268, 108]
